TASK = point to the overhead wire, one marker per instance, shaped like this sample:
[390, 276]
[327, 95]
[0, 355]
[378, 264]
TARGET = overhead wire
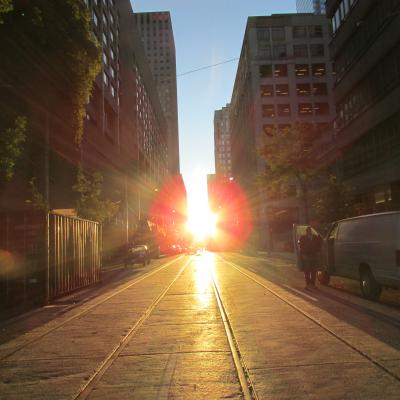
[207, 67]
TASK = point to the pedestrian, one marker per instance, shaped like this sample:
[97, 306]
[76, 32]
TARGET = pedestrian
[309, 247]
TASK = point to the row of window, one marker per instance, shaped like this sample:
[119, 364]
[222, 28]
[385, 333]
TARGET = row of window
[303, 109]
[302, 89]
[280, 50]
[343, 9]
[320, 127]
[378, 145]
[378, 83]
[278, 33]
[301, 70]
[365, 34]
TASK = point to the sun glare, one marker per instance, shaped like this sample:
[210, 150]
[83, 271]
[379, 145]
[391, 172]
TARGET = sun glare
[202, 224]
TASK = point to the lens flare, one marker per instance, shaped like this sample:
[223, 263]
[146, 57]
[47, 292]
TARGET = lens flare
[202, 224]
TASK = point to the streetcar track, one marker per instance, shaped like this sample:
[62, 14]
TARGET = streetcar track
[245, 380]
[87, 310]
[87, 388]
[315, 321]
[389, 320]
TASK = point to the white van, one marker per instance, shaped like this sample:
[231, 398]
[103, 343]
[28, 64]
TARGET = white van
[366, 248]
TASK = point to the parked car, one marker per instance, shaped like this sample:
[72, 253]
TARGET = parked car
[366, 248]
[138, 255]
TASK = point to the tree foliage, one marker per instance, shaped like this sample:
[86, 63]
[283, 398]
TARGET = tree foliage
[38, 200]
[289, 160]
[332, 201]
[50, 55]
[11, 146]
[6, 6]
[90, 204]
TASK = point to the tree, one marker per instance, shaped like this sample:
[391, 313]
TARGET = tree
[50, 55]
[289, 160]
[332, 201]
[6, 6]
[49, 61]
[11, 146]
[90, 204]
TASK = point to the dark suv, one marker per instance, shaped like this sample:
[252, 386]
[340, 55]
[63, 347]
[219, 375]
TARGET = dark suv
[138, 255]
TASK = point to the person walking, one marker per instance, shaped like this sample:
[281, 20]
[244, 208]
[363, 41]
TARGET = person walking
[309, 246]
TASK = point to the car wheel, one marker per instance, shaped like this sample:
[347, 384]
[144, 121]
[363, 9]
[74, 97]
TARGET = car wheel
[370, 288]
[323, 278]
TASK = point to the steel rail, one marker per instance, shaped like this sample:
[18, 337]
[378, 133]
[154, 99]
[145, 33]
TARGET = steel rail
[90, 308]
[87, 388]
[246, 383]
[331, 293]
[314, 320]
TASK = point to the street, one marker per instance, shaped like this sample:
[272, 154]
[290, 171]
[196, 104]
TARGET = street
[206, 326]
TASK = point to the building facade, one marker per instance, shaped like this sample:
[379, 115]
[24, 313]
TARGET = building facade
[311, 6]
[125, 129]
[365, 146]
[159, 46]
[222, 142]
[284, 77]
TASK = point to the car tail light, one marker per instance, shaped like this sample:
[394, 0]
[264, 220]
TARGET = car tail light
[398, 258]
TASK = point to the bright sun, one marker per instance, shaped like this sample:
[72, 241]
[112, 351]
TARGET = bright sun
[202, 223]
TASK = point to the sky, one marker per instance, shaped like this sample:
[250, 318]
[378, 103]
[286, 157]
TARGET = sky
[206, 32]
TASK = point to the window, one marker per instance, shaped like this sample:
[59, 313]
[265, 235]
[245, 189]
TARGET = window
[284, 110]
[264, 50]
[112, 72]
[302, 70]
[112, 91]
[300, 50]
[321, 108]
[268, 110]
[105, 59]
[320, 89]
[266, 71]
[317, 50]
[280, 51]
[318, 69]
[104, 38]
[284, 127]
[299, 32]
[263, 34]
[95, 19]
[105, 78]
[267, 90]
[278, 33]
[280, 70]
[268, 129]
[282, 90]
[305, 109]
[303, 89]
[315, 31]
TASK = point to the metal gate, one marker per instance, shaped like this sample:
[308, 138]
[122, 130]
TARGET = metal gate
[44, 256]
[73, 254]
